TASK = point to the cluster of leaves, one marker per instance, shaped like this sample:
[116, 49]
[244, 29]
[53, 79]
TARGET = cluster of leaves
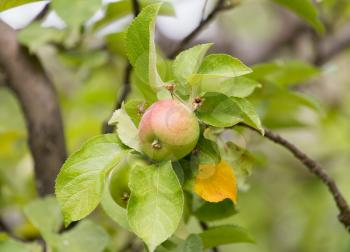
[154, 192]
[87, 59]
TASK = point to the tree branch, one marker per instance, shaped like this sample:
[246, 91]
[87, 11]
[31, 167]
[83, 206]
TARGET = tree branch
[26, 78]
[291, 31]
[316, 169]
[333, 44]
[325, 48]
[220, 6]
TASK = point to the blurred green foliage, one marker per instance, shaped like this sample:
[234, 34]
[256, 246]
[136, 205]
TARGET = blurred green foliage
[283, 207]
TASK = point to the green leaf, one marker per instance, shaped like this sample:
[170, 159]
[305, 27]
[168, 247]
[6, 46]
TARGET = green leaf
[193, 243]
[249, 113]
[188, 62]
[164, 94]
[188, 203]
[126, 129]
[141, 49]
[208, 151]
[166, 8]
[45, 215]
[83, 59]
[284, 73]
[291, 103]
[10, 245]
[227, 234]
[165, 68]
[76, 12]
[241, 159]
[179, 171]
[215, 211]
[237, 87]
[116, 10]
[142, 88]
[113, 210]
[294, 100]
[304, 99]
[306, 10]
[34, 36]
[116, 42]
[169, 245]
[135, 109]
[80, 183]
[220, 66]
[85, 237]
[218, 110]
[8, 4]
[156, 203]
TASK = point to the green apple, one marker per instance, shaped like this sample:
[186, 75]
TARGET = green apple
[119, 181]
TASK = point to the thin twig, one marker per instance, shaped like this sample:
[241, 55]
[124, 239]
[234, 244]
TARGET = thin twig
[204, 9]
[332, 45]
[126, 89]
[204, 226]
[42, 13]
[316, 169]
[126, 82]
[220, 6]
[135, 7]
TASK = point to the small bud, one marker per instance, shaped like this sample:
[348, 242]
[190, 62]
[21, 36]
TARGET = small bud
[170, 87]
[198, 99]
[197, 102]
[195, 151]
[156, 144]
[141, 109]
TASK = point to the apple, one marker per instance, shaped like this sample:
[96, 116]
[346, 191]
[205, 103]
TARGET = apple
[119, 182]
[118, 186]
[168, 130]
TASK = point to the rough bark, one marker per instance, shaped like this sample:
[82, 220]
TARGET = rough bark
[26, 78]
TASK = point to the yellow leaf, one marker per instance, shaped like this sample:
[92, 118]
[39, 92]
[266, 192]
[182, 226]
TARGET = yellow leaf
[216, 182]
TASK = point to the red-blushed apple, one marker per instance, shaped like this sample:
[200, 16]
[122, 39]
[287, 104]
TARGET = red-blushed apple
[168, 130]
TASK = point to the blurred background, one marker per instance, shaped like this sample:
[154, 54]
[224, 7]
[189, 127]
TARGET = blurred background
[305, 96]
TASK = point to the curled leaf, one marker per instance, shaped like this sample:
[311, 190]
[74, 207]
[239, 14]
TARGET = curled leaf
[125, 128]
[216, 182]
